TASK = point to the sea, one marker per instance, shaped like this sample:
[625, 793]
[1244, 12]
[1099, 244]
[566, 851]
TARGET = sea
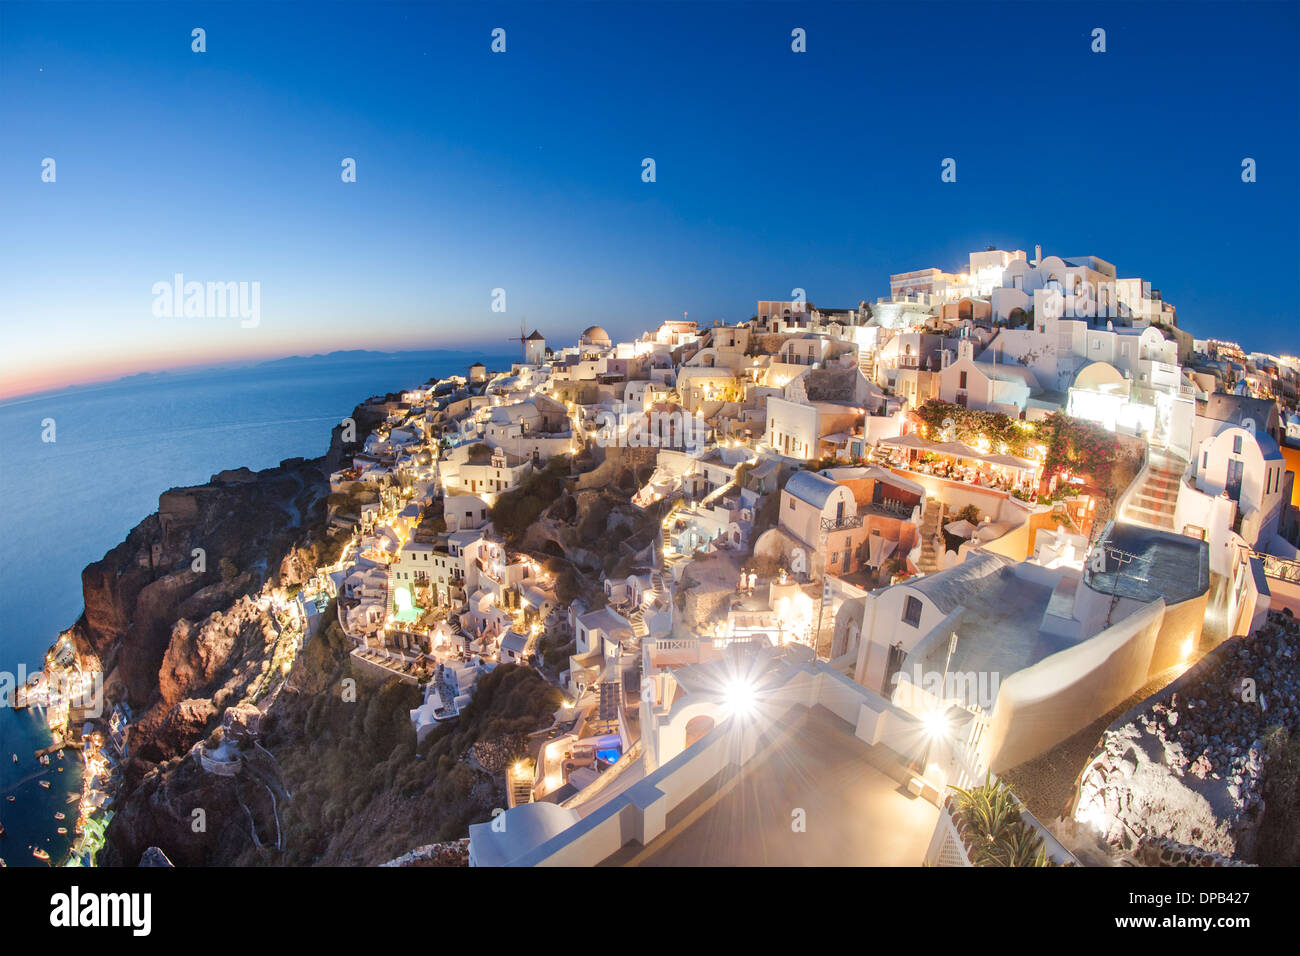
[116, 448]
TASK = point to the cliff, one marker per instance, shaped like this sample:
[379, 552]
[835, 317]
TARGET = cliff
[332, 774]
[204, 549]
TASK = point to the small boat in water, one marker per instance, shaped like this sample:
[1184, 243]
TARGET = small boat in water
[2, 829]
[12, 798]
[44, 783]
[41, 854]
[59, 816]
[15, 758]
[63, 831]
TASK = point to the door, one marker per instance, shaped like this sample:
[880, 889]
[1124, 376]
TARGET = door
[1235, 466]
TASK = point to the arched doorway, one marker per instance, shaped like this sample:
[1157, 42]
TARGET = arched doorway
[697, 727]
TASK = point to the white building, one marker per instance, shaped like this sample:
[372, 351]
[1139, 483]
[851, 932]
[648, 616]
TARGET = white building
[986, 386]
[810, 502]
[1237, 484]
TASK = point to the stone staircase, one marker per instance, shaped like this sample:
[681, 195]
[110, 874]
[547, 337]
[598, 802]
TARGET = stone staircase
[1152, 505]
[521, 790]
[867, 364]
[637, 620]
[930, 523]
[658, 584]
[716, 493]
[667, 551]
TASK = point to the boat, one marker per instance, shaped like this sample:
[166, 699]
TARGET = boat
[3, 864]
[63, 831]
[2, 829]
[44, 783]
[59, 816]
[41, 854]
[15, 758]
[12, 798]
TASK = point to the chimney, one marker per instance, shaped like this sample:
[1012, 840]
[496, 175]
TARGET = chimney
[1038, 256]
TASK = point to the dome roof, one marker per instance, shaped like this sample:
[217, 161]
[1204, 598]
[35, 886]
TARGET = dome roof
[594, 335]
[1098, 375]
[810, 487]
[528, 826]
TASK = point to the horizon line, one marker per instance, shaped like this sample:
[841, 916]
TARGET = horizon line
[111, 379]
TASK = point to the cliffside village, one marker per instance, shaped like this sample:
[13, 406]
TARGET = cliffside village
[1002, 526]
[940, 533]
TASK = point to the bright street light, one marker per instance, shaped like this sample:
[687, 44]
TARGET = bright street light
[739, 697]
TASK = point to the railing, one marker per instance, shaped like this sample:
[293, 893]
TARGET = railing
[1280, 569]
[891, 506]
[1128, 494]
[946, 848]
[841, 522]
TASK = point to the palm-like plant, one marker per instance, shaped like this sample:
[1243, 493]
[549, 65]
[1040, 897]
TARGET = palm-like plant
[988, 818]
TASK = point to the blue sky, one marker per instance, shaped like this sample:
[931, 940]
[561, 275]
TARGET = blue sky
[522, 171]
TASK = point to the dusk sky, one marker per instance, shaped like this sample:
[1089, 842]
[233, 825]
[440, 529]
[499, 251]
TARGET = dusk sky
[522, 170]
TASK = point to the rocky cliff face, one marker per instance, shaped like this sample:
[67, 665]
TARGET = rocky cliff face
[205, 547]
[1186, 770]
[175, 616]
[170, 615]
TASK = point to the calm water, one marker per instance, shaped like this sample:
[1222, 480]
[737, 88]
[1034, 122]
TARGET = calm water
[117, 448]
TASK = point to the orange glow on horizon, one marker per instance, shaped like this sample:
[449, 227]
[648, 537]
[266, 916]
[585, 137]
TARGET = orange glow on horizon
[18, 381]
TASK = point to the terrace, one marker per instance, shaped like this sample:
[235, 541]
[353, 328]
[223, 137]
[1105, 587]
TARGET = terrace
[999, 630]
[957, 461]
[1147, 565]
[855, 791]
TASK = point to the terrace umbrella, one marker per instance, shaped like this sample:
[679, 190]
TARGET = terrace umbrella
[961, 528]
[957, 449]
[1011, 461]
[908, 441]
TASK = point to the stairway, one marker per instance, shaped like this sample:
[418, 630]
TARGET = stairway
[716, 493]
[1152, 505]
[657, 583]
[637, 620]
[668, 552]
[867, 364]
[521, 790]
[930, 552]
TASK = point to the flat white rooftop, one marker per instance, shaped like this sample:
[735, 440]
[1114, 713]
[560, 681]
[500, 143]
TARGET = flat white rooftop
[855, 813]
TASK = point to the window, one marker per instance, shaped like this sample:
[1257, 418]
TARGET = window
[792, 503]
[961, 381]
[912, 611]
[1236, 444]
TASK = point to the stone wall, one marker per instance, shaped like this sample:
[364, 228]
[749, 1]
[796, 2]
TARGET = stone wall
[1186, 764]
